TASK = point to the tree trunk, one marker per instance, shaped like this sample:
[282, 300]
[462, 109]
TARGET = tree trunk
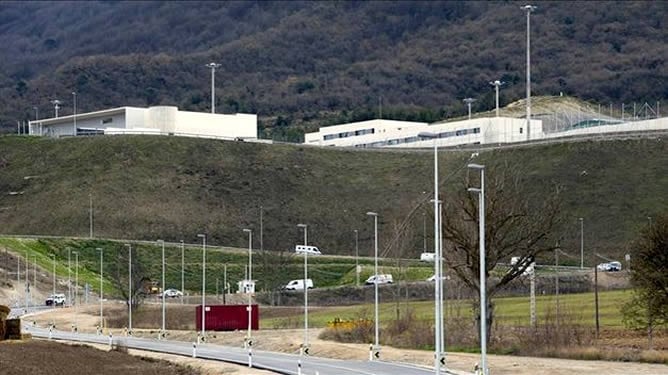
[489, 320]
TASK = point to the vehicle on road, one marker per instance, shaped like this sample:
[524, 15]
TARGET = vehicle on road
[379, 279]
[173, 293]
[427, 257]
[298, 284]
[613, 266]
[56, 300]
[433, 278]
[310, 250]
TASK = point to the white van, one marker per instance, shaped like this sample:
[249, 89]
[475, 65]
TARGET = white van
[298, 284]
[427, 257]
[310, 250]
[379, 279]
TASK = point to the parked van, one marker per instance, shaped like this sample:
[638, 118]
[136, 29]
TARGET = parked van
[379, 279]
[310, 250]
[427, 257]
[298, 284]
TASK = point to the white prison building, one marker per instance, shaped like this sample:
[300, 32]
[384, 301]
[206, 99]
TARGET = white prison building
[152, 120]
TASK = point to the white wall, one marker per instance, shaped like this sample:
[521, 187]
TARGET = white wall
[205, 124]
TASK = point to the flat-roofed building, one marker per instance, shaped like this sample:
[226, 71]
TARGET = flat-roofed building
[152, 120]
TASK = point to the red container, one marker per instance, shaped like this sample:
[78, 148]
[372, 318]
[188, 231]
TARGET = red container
[227, 317]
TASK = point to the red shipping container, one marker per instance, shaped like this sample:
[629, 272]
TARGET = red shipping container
[227, 317]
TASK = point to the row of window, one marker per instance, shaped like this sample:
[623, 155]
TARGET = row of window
[412, 139]
[348, 134]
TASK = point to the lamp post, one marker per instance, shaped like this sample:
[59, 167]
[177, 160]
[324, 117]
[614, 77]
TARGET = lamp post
[76, 288]
[468, 102]
[581, 243]
[129, 288]
[496, 85]
[69, 277]
[203, 237]
[250, 276]
[56, 106]
[90, 215]
[305, 347]
[375, 271]
[162, 329]
[53, 256]
[529, 9]
[74, 116]
[213, 67]
[183, 279]
[101, 294]
[483, 282]
[438, 273]
[357, 255]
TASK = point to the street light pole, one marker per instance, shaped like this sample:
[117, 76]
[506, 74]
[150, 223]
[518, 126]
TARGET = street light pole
[90, 214]
[357, 256]
[101, 293]
[468, 102]
[129, 288]
[56, 106]
[203, 237]
[438, 273]
[76, 288]
[183, 291]
[213, 67]
[496, 85]
[250, 276]
[74, 117]
[162, 329]
[529, 9]
[69, 277]
[305, 347]
[375, 271]
[483, 282]
[581, 243]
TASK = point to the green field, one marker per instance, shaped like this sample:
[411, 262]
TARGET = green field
[577, 308]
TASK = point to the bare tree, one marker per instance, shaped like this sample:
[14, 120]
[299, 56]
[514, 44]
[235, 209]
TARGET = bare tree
[120, 281]
[517, 223]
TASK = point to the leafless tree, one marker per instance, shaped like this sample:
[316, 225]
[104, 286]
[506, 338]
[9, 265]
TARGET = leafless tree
[518, 222]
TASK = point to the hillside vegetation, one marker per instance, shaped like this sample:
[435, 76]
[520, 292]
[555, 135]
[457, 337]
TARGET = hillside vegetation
[172, 188]
[303, 64]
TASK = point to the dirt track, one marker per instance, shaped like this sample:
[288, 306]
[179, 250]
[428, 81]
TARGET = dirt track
[289, 340]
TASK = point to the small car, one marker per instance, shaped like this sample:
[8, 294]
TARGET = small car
[173, 293]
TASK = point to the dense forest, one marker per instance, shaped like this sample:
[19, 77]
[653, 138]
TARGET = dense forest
[299, 65]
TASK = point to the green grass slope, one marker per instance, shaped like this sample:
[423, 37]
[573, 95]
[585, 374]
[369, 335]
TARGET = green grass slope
[148, 187]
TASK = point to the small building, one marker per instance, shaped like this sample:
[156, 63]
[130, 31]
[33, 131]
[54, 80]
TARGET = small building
[166, 120]
[246, 286]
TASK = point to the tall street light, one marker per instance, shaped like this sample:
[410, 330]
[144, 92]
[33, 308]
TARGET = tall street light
[129, 246]
[76, 288]
[375, 271]
[90, 215]
[203, 237]
[250, 276]
[438, 274]
[581, 243]
[101, 294]
[183, 279]
[69, 277]
[53, 256]
[496, 85]
[357, 256]
[529, 9]
[162, 329]
[305, 346]
[468, 102]
[213, 67]
[74, 116]
[483, 282]
[56, 106]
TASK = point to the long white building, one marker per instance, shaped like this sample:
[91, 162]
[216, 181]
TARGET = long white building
[152, 120]
[485, 130]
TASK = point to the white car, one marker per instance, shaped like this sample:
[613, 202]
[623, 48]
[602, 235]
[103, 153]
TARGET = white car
[379, 279]
[173, 293]
[610, 267]
[427, 257]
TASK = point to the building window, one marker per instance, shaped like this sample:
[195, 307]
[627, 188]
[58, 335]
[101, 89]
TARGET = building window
[520, 130]
[107, 120]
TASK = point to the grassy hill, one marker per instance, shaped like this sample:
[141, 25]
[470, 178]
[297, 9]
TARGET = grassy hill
[149, 187]
[303, 64]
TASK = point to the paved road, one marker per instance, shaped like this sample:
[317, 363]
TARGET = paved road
[281, 363]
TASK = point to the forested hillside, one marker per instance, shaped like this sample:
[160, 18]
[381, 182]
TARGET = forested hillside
[301, 64]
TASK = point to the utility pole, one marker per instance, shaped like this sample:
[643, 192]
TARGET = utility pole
[529, 9]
